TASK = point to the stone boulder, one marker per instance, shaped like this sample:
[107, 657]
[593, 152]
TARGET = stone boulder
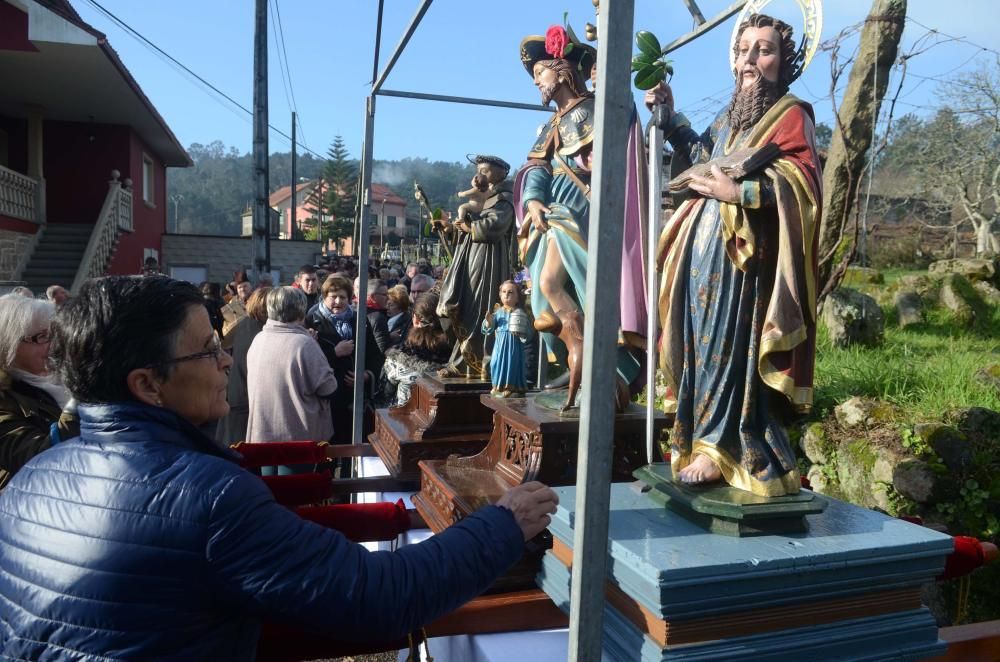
[909, 308]
[989, 293]
[959, 297]
[820, 483]
[915, 480]
[859, 413]
[922, 284]
[980, 425]
[989, 376]
[974, 269]
[853, 318]
[948, 443]
[815, 445]
[863, 275]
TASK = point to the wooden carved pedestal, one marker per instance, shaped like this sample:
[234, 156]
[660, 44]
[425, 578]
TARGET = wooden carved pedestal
[443, 417]
[528, 443]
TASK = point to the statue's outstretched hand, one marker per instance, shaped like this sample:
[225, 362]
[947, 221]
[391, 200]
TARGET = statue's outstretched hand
[536, 212]
[661, 95]
[719, 186]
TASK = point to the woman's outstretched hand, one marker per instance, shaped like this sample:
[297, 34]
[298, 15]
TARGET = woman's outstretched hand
[532, 504]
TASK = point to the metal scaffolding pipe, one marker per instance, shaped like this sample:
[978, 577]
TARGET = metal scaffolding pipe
[361, 328]
[468, 100]
[705, 27]
[652, 285]
[614, 109]
[414, 22]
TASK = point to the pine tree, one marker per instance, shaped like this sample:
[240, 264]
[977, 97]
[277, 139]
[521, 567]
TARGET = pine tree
[333, 199]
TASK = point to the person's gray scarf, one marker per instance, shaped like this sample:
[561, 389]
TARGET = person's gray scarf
[343, 323]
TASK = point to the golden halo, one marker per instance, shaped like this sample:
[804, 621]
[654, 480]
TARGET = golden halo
[812, 28]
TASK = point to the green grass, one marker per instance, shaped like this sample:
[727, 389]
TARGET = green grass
[924, 370]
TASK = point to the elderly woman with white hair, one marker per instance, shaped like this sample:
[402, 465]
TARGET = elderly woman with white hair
[289, 382]
[32, 403]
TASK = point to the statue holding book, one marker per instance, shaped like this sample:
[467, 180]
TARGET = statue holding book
[738, 291]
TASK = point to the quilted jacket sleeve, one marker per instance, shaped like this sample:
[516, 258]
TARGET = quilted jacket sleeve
[263, 555]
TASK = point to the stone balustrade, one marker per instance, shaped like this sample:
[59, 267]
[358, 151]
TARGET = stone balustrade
[115, 217]
[18, 195]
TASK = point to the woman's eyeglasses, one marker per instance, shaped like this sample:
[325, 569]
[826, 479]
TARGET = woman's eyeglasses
[40, 338]
[215, 352]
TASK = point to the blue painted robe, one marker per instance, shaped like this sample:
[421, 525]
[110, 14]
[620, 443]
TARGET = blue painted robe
[508, 368]
[738, 305]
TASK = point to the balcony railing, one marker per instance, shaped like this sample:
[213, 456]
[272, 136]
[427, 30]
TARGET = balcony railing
[18, 195]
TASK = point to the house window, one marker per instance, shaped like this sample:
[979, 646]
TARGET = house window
[147, 180]
[392, 222]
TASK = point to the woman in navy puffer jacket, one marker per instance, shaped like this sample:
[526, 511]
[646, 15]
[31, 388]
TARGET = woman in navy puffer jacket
[143, 539]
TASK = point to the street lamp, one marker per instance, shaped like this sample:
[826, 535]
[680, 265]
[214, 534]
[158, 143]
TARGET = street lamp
[381, 229]
[176, 199]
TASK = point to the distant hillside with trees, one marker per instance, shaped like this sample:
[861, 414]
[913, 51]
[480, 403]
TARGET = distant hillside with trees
[210, 197]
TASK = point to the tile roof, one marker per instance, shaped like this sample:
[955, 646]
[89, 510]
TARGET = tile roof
[285, 192]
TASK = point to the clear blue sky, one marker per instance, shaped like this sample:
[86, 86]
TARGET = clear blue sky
[456, 50]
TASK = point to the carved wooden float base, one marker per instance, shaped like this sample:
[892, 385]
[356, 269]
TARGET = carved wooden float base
[443, 417]
[528, 443]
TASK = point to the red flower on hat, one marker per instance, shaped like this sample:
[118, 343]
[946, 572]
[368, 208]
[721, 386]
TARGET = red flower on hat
[555, 41]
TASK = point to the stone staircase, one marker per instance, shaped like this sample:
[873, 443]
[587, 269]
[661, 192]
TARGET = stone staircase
[57, 256]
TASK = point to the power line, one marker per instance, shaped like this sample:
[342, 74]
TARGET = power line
[961, 39]
[281, 64]
[288, 71]
[187, 70]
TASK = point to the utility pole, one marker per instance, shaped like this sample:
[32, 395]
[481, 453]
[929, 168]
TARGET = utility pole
[296, 230]
[320, 206]
[261, 208]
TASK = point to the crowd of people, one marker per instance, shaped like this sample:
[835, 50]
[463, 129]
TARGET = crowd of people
[130, 530]
[292, 350]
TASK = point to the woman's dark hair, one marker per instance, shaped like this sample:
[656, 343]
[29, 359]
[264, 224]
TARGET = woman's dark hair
[115, 325]
[429, 335]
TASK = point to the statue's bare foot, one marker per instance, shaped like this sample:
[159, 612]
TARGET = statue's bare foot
[701, 470]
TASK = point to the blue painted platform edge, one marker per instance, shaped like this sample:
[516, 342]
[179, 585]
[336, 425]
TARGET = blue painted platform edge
[908, 635]
[765, 571]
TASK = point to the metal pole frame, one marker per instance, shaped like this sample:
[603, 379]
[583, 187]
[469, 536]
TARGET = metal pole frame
[468, 100]
[361, 329]
[261, 219]
[614, 107]
[652, 282]
[404, 40]
[296, 230]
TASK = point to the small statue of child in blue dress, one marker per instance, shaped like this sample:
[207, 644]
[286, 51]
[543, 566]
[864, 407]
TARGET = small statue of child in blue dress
[512, 327]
